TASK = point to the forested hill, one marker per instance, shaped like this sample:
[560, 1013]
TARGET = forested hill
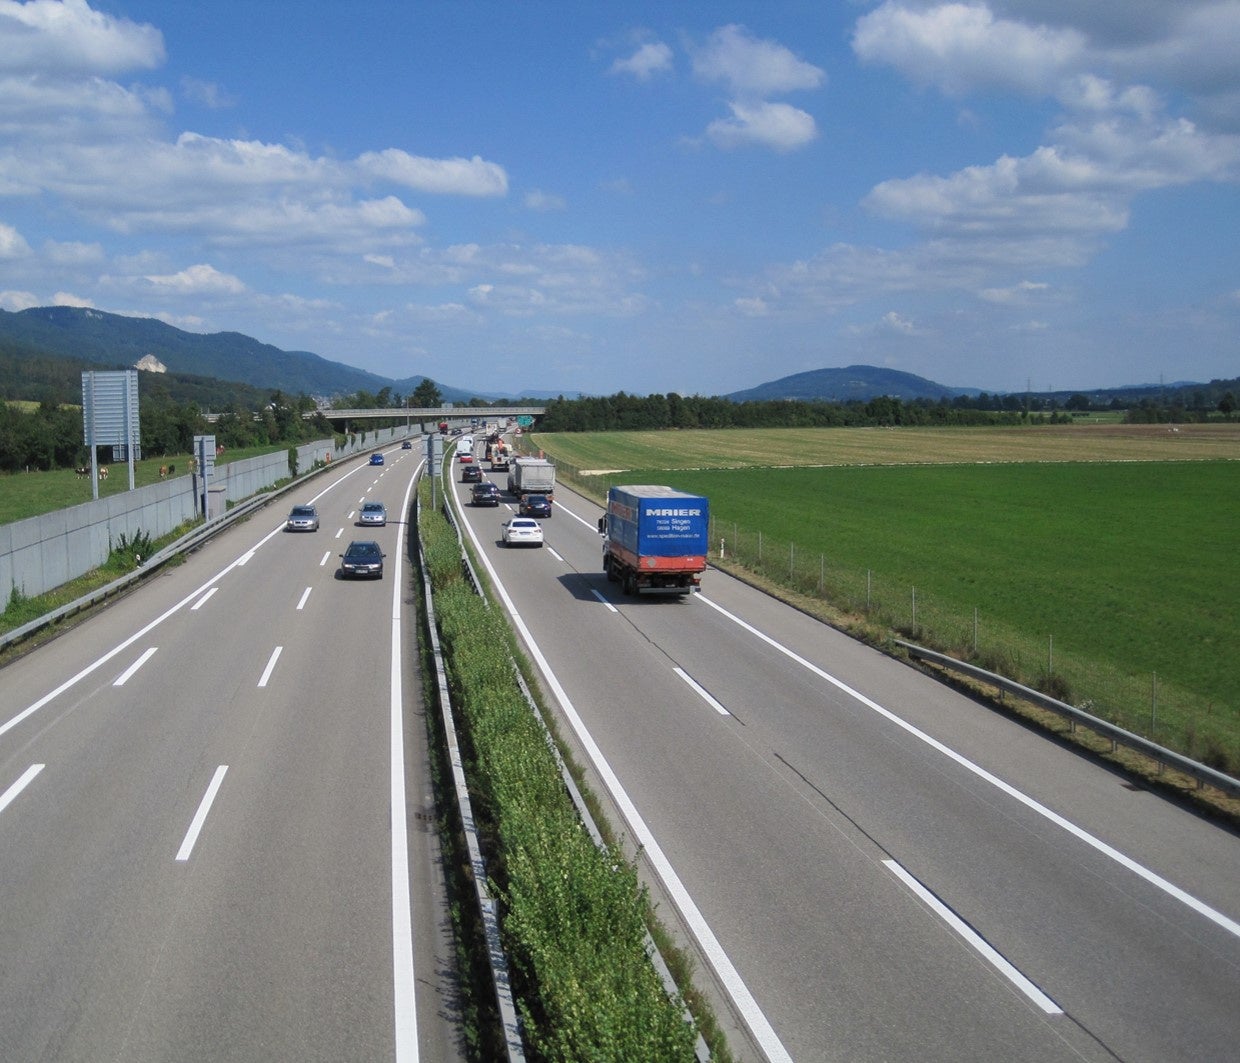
[32, 376]
[852, 383]
[111, 340]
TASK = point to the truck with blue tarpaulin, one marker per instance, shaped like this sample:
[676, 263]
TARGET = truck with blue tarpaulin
[655, 539]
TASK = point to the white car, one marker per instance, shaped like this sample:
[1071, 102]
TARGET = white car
[517, 530]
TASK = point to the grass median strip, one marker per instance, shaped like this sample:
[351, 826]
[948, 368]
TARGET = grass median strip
[573, 915]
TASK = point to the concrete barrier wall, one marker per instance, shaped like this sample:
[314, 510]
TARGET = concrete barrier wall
[37, 555]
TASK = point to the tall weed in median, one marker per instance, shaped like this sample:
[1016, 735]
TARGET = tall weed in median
[572, 914]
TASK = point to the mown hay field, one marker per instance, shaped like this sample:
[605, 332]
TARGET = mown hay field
[775, 447]
[1108, 555]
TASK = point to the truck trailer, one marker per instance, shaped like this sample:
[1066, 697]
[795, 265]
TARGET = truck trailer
[531, 476]
[655, 539]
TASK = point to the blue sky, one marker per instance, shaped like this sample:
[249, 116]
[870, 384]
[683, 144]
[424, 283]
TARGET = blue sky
[649, 197]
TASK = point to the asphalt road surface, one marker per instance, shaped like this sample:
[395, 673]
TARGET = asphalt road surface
[213, 795]
[867, 865]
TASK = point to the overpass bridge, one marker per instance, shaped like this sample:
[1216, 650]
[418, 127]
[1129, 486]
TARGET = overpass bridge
[421, 413]
[435, 413]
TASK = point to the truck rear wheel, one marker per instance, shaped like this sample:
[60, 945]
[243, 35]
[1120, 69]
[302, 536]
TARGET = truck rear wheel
[630, 583]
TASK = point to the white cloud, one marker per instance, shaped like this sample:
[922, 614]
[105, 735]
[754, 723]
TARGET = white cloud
[753, 68]
[650, 59]
[51, 114]
[1036, 47]
[69, 38]
[961, 47]
[14, 301]
[894, 323]
[72, 253]
[197, 280]
[1017, 294]
[752, 306]
[457, 177]
[69, 299]
[12, 243]
[772, 125]
[206, 93]
[544, 202]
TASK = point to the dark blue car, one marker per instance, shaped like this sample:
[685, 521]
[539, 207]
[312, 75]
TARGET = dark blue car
[535, 506]
[362, 558]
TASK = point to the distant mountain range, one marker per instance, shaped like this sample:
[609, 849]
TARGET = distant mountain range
[864, 382]
[113, 340]
[93, 337]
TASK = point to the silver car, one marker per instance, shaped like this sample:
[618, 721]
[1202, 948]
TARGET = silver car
[302, 518]
[373, 513]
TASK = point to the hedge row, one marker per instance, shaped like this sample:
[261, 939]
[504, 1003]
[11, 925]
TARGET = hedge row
[572, 915]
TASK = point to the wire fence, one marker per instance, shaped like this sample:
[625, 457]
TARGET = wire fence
[1144, 703]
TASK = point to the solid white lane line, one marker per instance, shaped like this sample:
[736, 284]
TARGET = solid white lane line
[200, 817]
[702, 692]
[27, 777]
[203, 600]
[1228, 924]
[124, 677]
[302, 604]
[325, 557]
[271, 664]
[404, 982]
[743, 1000]
[598, 594]
[988, 953]
[244, 558]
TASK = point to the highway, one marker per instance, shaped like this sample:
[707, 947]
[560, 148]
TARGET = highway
[867, 865]
[215, 840]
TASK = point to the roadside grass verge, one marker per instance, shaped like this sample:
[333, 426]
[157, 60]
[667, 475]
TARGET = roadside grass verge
[573, 916]
[1109, 585]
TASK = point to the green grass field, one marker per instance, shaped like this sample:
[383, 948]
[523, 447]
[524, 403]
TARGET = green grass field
[1077, 548]
[27, 494]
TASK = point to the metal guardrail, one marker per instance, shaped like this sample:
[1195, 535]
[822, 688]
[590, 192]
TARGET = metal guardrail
[1204, 775]
[487, 907]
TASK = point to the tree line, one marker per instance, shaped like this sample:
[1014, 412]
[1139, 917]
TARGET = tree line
[624, 412]
[50, 435]
[621, 412]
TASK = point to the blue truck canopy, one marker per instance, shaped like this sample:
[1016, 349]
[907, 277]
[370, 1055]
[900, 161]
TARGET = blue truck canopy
[654, 521]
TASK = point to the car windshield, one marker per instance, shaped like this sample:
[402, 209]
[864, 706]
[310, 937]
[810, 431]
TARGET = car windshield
[372, 507]
[363, 550]
[303, 511]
